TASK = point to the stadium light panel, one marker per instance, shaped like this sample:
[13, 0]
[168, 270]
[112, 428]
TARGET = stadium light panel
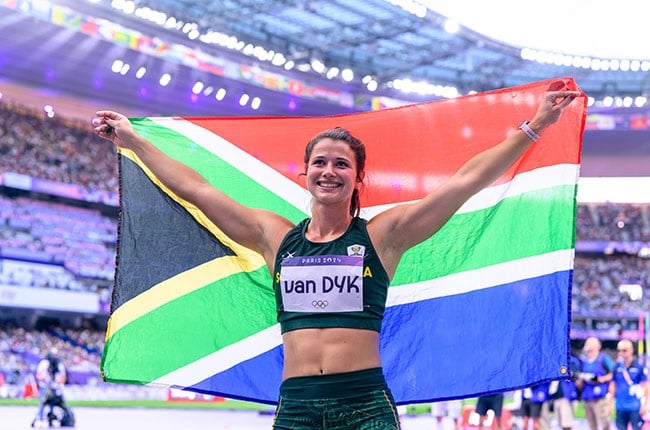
[117, 66]
[317, 65]
[333, 72]
[165, 79]
[198, 87]
[451, 26]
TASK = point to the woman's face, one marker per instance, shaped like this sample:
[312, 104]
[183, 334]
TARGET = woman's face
[332, 172]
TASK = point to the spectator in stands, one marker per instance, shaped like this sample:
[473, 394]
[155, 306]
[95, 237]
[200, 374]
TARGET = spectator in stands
[52, 149]
[596, 371]
[628, 388]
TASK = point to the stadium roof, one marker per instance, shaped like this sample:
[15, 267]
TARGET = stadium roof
[388, 43]
[413, 39]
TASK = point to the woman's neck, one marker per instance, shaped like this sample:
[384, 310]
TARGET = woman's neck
[326, 225]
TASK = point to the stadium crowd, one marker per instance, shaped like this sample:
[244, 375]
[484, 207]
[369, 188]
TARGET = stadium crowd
[48, 243]
[51, 148]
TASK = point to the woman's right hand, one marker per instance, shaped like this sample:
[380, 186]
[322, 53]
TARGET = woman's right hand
[114, 127]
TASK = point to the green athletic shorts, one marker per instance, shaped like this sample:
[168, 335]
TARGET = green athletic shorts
[357, 400]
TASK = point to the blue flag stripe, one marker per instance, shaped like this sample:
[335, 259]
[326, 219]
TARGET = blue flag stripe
[527, 315]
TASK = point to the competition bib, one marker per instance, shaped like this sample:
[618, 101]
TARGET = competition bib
[322, 283]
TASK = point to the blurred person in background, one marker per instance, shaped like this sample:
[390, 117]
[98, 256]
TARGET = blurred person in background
[563, 395]
[628, 388]
[450, 409]
[596, 371]
[491, 402]
[50, 377]
[533, 398]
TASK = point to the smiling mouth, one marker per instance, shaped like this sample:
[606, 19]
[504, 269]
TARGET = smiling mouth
[328, 185]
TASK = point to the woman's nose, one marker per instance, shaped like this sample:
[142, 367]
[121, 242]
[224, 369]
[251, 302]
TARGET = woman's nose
[328, 169]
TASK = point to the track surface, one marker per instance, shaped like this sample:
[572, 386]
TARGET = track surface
[20, 417]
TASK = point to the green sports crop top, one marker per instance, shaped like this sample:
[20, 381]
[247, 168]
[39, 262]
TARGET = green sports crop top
[340, 283]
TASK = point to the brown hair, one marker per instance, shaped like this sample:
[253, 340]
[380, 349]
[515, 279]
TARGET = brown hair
[359, 149]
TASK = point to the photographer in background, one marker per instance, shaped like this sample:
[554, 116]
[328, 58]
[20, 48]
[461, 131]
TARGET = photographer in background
[596, 370]
[628, 388]
[50, 377]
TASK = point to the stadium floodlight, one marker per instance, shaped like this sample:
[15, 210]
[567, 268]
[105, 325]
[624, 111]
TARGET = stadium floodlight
[165, 79]
[255, 104]
[117, 66]
[347, 75]
[49, 111]
[243, 100]
[625, 65]
[333, 72]
[278, 59]
[141, 72]
[317, 65]
[451, 26]
[221, 93]
[304, 67]
[198, 87]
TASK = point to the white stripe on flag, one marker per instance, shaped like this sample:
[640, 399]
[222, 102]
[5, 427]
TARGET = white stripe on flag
[486, 277]
[223, 359]
[534, 180]
[260, 172]
[473, 280]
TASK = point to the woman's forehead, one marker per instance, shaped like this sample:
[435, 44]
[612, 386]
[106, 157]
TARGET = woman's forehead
[328, 145]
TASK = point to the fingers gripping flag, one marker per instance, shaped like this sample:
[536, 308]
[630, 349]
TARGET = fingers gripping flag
[482, 306]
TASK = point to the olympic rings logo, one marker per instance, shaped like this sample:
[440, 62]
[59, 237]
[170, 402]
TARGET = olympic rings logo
[320, 304]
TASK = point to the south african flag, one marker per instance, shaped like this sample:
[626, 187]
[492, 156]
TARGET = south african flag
[480, 307]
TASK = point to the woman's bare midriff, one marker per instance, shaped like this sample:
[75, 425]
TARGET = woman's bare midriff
[319, 351]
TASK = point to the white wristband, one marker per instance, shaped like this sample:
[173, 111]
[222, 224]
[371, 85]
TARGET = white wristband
[529, 131]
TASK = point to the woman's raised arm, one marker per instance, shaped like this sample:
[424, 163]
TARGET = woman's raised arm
[256, 229]
[401, 227]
